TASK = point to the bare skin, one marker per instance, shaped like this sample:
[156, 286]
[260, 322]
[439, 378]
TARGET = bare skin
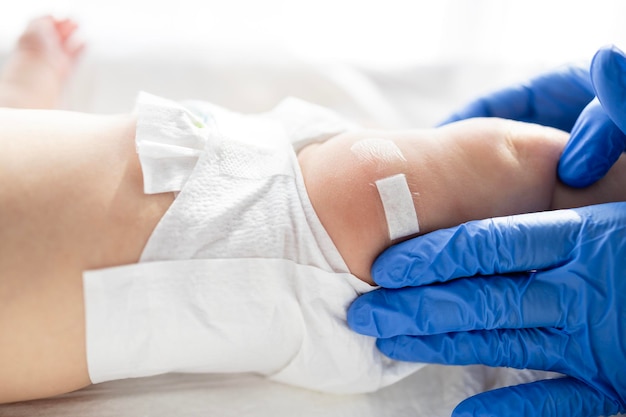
[469, 170]
[72, 199]
[42, 60]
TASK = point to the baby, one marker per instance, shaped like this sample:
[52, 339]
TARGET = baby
[188, 238]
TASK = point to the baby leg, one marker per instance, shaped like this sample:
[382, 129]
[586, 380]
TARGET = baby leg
[468, 170]
[71, 200]
[37, 68]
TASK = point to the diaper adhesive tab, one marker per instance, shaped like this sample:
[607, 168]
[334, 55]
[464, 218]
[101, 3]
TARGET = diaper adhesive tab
[398, 205]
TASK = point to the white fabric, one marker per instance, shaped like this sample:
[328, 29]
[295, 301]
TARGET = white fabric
[239, 275]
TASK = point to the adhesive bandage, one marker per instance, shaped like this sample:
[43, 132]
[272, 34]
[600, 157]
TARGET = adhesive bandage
[398, 206]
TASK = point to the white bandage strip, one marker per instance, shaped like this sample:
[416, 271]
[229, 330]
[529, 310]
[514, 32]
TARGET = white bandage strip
[398, 205]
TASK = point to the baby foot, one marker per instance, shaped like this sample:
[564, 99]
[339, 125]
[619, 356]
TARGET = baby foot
[39, 65]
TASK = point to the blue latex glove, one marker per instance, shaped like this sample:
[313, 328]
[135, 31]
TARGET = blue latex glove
[568, 315]
[597, 139]
[563, 99]
[553, 99]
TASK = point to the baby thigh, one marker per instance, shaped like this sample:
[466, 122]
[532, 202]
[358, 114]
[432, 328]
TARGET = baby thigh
[70, 200]
[42, 347]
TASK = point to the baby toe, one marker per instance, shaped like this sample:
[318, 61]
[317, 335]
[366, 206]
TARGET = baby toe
[65, 28]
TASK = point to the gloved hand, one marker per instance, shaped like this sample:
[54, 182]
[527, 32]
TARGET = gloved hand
[568, 314]
[563, 99]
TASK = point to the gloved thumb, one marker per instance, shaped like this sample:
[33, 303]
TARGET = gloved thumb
[597, 139]
[608, 76]
[595, 144]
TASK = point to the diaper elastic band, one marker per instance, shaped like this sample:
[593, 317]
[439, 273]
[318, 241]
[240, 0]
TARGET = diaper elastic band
[398, 206]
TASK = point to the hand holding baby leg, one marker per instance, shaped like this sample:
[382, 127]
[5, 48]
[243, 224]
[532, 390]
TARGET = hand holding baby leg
[566, 315]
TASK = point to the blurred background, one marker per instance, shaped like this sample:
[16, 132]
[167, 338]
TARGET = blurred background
[445, 51]
[389, 63]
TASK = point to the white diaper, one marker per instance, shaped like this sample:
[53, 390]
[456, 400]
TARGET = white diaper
[239, 275]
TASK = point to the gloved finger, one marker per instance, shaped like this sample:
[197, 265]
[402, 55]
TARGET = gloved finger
[548, 398]
[479, 303]
[368, 314]
[594, 146]
[554, 99]
[608, 76]
[513, 348]
[485, 247]
[600, 140]
[598, 137]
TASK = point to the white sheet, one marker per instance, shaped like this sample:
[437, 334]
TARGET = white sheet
[408, 98]
[432, 392]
